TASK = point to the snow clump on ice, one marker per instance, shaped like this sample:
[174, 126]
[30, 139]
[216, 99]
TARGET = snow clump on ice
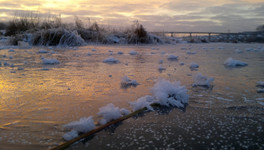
[161, 68]
[260, 84]
[201, 80]
[230, 62]
[126, 82]
[142, 102]
[170, 93]
[108, 113]
[194, 65]
[172, 57]
[111, 60]
[120, 53]
[46, 61]
[43, 51]
[81, 126]
[133, 52]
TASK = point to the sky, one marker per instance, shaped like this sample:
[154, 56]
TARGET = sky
[155, 15]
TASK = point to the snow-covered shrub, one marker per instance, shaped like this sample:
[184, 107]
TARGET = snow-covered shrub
[201, 80]
[230, 62]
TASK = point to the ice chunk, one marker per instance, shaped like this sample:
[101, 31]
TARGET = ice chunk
[20, 68]
[89, 54]
[11, 57]
[234, 63]
[142, 102]
[70, 135]
[43, 51]
[194, 65]
[201, 80]
[111, 60]
[50, 61]
[261, 103]
[260, 84]
[154, 48]
[172, 57]
[170, 93]
[83, 125]
[93, 49]
[181, 63]
[160, 61]
[126, 82]
[108, 113]
[133, 52]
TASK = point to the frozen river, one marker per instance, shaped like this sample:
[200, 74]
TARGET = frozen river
[38, 98]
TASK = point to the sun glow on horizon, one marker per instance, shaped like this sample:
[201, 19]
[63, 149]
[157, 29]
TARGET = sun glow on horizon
[172, 13]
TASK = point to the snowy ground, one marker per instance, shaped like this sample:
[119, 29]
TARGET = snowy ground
[44, 88]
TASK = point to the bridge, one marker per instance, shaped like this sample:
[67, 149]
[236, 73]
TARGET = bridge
[207, 33]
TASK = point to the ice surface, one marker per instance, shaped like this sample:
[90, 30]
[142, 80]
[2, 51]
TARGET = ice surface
[126, 82]
[108, 113]
[83, 125]
[46, 61]
[230, 62]
[201, 80]
[170, 93]
[260, 84]
[172, 57]
[142, 102]
[133, 52]
[111, 60]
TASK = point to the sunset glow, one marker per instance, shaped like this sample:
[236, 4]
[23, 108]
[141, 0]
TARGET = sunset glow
[177, 15]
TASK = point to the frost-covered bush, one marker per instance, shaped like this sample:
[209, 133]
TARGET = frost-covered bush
[57, 37]
[172, 57]
[142, 102]
[46, 61]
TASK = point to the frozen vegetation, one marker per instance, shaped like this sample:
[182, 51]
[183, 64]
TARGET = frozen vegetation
[108, 113]
[193, 66]
[230, 62]
[133, 52]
